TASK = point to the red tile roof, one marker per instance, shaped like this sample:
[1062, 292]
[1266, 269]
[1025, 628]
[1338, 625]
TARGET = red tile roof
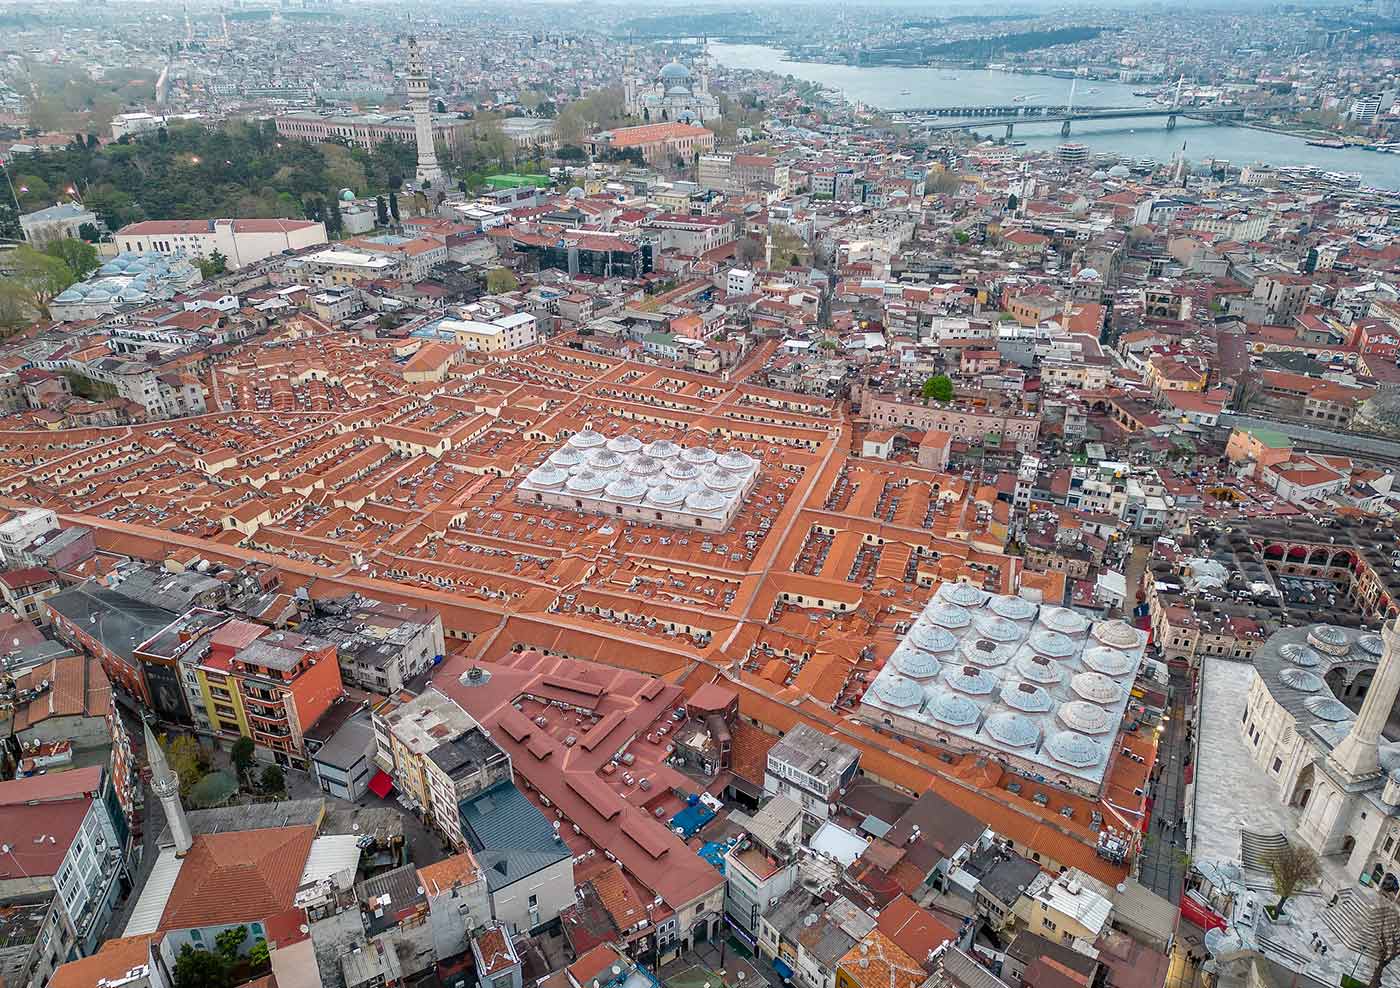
[238, 877]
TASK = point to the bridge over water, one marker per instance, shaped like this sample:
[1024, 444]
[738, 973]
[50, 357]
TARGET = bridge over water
[937, 118]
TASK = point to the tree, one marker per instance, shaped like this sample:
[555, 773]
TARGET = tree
[202, 969]
[259, 955]
[80, 256]
[500, 280]
[213, 265]
[272, 779]
[335, 222]
[748, 251]
[89, 233]
[1292, 867]
[185, 758]
[230, 942]
[1385, 940]
[394, 206]
[939, 388]
[39, 276]
[242, 754]
[381, 211]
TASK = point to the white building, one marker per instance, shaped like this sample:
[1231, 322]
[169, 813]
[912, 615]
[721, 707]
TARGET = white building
[519, 329]
[59, 222]
[811, 769]
[241, 242]
[136, 124]
[740, 281]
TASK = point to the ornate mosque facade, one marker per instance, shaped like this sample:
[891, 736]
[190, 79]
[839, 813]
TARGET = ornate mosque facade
[676, 95]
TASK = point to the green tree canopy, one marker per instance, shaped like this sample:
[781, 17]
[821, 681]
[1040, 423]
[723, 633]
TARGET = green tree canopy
[39, 276]
[272, 779]
[80, 256]
[185, 758]
[242, 754]
[500, 280]
[202, 969]
[938, 388]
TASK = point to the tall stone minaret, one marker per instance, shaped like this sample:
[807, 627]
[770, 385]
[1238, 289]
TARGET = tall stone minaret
[166, 784]
[1358, 754]
[417, 79]
[629, 84]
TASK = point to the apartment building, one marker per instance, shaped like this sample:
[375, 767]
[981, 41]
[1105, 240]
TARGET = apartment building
[285, 682]
[458, 769]
[810, 768]
[381, 645]
[763, 865]
[240, 242]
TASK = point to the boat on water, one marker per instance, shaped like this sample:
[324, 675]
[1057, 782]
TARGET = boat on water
[1327, 143]
[1015, 144]
[904, 92]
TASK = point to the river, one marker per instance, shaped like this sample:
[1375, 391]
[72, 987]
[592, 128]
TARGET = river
[894, 87]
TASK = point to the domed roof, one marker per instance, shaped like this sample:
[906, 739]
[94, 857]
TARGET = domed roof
[587, 482]
[719, 480]
[666, 495]
[644, 467]
[1327, 638]
[1063, 620]
[603, 457]
[674, 71]
[1073, 749]
[662, 449]
[625, 443]
[948, 616]
[703, 500]
[1053, 644]
[1371, 645]
[962, 594]
[1012, 729]
[1299, 654]
[547, 475]
[1301, 680]
[986, 653]
[678, 90]
[1087, 718]
[932, 638]
[896, 691]
[566, 456]
[1117, 633]
[736, 461]
[998, 629]
[1027, 697]
[587, 439]
[698, 454]
[680, 470]
[1108, 661]
[347, 195]
[952, 709]
[626, 488]
[1327, 708]
[970, 679]
[915, 662]
[1118, 171]
[1038, 669]
[1012, 608]
[1096, 687]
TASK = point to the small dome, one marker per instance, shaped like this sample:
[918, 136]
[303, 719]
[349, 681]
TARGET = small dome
[698, 455]
[1063, 620]
[1327, 708]
[932, 638]
[587, 439]
[1012, 608]
[1096, 687]
[680, 470]
[1108, 661]
[953, 709]
[703, 500]
[666, 496]
[948, 616]
[674, 72]
[603, 458]
[1328, 638]
[1299, 654]
[644, 467]
[1118, 171]
[970, 679]
[915, 663]
[1087, 718]
[627, 489]
[347, 195]
[625, 443]
[1038, 669]
[961, 594]
[1371, 645]
[1012, 729]
[986, 653]
[1119, 634]
[998, 629]
[547, 475]
[1301, 680]
[587, 482]
[735, 461]
[1073, 749]
[662, 449]
[1053, 644]
[898, 692]
[1026, 697]
[719, 480]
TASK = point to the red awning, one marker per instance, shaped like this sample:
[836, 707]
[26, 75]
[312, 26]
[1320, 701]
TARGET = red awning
[381, 785]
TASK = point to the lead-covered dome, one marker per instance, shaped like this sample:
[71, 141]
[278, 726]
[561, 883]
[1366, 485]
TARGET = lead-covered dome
[915, 663]
[1108, 661]
[1012, 608]
[1118, 634]
[1086, 718]
[932, 638]
[953, 709]
[1074, 750]
[1012, 729]
[1026, 697]
[1096, 687]
[898, 692]
[970, 679]
[962, 594]
[1063, 620]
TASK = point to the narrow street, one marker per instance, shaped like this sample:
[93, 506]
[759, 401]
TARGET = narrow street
[1164, 861]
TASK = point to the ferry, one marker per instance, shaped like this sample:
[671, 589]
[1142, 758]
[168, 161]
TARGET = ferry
[905, 92]
[1327, 143]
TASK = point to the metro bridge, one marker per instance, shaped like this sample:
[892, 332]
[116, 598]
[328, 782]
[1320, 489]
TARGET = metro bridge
[1009, 116]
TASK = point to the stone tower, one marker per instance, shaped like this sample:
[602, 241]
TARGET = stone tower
[1357, 757]
[417, 81]
[166, 784]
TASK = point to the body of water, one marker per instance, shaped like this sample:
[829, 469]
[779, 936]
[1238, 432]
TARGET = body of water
[893, 87]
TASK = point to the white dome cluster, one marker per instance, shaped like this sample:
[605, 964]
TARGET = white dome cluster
[1042, 687]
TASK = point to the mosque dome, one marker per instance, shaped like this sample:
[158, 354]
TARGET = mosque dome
[953, 709]
[347, 195]
[1302, 680]
[1012, 729]
[1074, 750]
[1299, 654]
[898, 692]
[1371, 645]
[674, 72]
[962, 594]
[1118, 171]
[1012, 608]
[1328, 638]
[1327, 708]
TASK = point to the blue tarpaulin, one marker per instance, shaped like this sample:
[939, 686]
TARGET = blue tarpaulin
[692, 818]
[781, 967]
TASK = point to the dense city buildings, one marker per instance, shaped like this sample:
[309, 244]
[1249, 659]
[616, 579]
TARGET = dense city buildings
[508, 501]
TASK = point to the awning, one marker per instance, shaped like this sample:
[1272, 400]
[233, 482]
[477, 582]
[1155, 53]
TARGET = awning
[781, 967]
[381, 785]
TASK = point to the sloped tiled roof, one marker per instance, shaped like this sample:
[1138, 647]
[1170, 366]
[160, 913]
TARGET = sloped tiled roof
[238, 877]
